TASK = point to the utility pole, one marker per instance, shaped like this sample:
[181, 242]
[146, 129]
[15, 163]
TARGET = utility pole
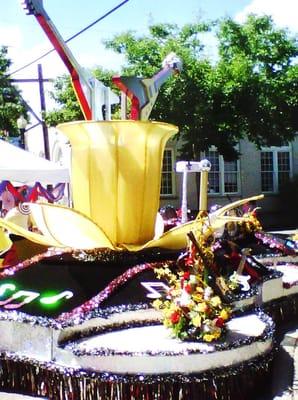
[40, 80]
[43, 109]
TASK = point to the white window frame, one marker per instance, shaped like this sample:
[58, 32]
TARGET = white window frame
[275, 173]
[222, 174]
[172, 172]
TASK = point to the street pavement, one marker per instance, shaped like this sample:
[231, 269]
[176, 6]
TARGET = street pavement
[285, 368]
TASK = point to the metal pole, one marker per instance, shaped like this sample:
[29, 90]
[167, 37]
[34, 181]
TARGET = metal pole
[123, 102]
[203, 206]
[22, 136]
[43, 109]
[184, 198]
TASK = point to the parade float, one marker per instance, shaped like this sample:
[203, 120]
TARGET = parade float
[109, 306]
[111, 310]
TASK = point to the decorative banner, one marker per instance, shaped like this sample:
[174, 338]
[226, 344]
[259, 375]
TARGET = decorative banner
[55, 194]
[3, 185]
[26, 193]
[8, 200]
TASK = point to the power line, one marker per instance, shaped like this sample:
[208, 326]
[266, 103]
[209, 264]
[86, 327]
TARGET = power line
[72, 37]
[98, 20]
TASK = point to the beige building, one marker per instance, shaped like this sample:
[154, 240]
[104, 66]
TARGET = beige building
[256, 172]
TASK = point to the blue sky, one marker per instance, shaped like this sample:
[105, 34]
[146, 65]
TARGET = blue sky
[26, 41]
[71, 16]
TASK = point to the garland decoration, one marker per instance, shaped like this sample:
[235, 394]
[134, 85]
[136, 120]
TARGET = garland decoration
[251, 223]
[244, 381]
[27, 193]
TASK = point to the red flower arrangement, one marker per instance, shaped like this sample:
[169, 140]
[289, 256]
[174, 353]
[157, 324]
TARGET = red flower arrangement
[191, 310]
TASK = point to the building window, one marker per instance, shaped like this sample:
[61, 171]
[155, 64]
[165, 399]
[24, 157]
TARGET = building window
[167, 177]
[224, 175]
[275, 168]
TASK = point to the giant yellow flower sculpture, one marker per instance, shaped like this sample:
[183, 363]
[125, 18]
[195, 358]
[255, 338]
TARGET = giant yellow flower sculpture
[116, 176]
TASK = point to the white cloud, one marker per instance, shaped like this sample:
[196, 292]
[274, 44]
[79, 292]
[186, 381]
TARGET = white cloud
[210, 42]
[12, 35]
[284, 13]
[101, 57]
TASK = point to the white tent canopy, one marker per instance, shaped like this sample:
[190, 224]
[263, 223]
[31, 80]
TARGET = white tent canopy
[18, 165]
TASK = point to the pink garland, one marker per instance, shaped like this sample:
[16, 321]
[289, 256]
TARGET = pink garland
[104, 294]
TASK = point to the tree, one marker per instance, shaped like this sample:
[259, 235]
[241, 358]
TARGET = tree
[249, 91]
[69, 108]
[11, 104]
[183, 99]
[257, 82]
[65, 97]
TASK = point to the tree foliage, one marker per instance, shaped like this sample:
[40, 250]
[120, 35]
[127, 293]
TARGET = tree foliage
[68, 106]
[11, 105]
[64, 95]
[258, 81]
[249, 90]
[182, 97]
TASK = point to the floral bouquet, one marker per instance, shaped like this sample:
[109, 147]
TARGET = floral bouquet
[190, 309]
